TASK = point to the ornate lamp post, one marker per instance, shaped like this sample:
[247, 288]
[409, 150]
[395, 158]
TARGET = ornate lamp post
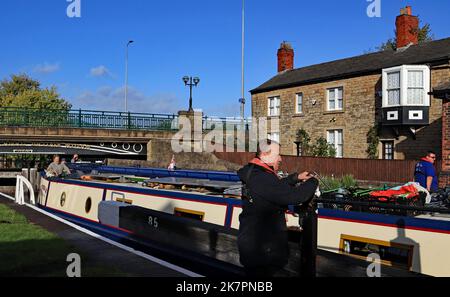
[191, 82]
[298, 143]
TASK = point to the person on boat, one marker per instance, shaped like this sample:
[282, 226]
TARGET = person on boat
[173, 165]
[263, 238]
[57, 168]
[425, 173]
[75, 159]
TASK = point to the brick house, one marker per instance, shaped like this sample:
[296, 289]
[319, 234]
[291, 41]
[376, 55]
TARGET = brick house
[342, 100]
[443, 92]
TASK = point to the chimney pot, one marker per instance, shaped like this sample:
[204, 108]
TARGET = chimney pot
[408, 10]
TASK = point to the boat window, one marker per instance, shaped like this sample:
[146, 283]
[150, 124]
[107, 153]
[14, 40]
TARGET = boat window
[88, 205]
[187, 213]
[62, 200]
[391, 253]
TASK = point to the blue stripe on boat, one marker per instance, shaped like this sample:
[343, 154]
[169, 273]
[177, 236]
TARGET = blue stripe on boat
[391, 220]
[149, 191]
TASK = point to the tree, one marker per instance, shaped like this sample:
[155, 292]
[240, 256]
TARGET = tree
[424, 35]
[304, 139]
[323, 149]
[372, 140]
[23, 91]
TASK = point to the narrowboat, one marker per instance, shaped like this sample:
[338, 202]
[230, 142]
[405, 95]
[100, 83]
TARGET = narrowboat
[196, 214]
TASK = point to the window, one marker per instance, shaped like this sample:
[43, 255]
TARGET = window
[188, 213]
[299, 103]
[88, 205]
[388, 150]
[274, 136]
[407, 85]
[391, 253]
[334, 137]
[393, 88]
[335, 99]
[62, 200]
[415, 88]
[274, 106]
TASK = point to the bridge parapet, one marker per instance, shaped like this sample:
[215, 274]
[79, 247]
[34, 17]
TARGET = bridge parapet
[90, 119]
[36, 131]
[31, 117]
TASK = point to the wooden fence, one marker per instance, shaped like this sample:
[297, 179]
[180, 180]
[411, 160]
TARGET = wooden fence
[390, 171]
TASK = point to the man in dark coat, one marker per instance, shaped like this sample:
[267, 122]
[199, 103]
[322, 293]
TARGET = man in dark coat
[263, 239]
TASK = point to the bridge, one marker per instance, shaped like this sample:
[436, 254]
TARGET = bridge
[28, 131]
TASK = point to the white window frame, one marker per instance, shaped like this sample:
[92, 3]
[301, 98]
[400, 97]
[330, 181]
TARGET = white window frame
[404, 84]
[297, 96]
[383, 148]
[336, 90]
[335, 144]
[277, 99]
[275, 136]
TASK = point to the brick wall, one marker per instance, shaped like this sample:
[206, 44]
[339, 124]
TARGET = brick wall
[285, 57]
[407, 26]
[444, 178]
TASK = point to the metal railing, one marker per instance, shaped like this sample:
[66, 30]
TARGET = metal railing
[57, 118]
[210, 123]
[379, 207]
[78, 118]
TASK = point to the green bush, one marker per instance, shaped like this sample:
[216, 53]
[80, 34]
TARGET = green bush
[323, 149]
[328, 183]
[348, 182]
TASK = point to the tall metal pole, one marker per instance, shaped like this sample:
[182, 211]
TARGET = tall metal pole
[126, 76]
[242, 100]
[126, 80]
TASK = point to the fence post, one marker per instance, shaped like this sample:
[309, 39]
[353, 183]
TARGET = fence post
[79, 118]
[129, 121]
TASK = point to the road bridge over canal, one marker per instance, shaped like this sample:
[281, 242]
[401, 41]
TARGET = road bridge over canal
[86, 132]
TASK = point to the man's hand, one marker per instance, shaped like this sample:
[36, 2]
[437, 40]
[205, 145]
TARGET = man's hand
[304, 176]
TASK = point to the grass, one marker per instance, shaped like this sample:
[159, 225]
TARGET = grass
[29, 250]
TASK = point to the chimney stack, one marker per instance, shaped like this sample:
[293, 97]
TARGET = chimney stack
[285, 57]
[407, 28]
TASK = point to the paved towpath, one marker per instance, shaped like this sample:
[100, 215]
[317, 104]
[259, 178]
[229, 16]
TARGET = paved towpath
[99, 253]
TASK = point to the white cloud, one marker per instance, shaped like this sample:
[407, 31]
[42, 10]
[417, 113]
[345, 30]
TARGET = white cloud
[110, 99]
[230, 109]
[100, 71]
[46, 68]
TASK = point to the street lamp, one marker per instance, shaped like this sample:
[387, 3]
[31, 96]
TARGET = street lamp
[126, 76]
[242, 99]
[191, 82]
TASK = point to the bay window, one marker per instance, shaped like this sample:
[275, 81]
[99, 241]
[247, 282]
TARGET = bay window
[406, 85]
